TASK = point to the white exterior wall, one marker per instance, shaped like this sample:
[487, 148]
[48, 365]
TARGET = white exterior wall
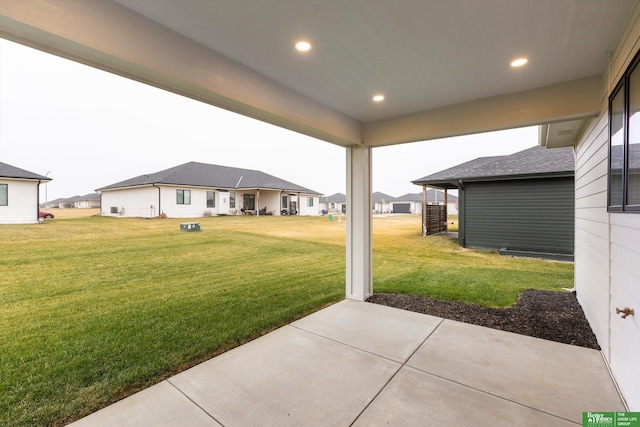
[270, 200]
[607, 271]
[196, 209]
[303, 209]
[22, 200]
[131, 202]
[592, 229]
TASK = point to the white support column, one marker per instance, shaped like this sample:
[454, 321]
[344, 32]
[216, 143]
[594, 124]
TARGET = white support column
[359, 224]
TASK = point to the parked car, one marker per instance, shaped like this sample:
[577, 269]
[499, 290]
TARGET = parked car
[43, 214]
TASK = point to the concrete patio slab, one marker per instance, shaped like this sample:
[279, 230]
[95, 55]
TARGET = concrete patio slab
[362, 364]
[385, 331]
[288, 378]
[415, 398]
[161, 405]
[559, 379]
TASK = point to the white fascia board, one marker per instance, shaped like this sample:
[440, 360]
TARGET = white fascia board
[561, 102]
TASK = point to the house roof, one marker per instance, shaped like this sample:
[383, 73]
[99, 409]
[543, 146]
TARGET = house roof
[432, 196]
[8, 171]
[379, 197]
[195, 174]
[532, 162]
[334, 198]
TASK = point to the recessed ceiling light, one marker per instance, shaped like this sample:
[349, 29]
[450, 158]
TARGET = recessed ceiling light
[519, 62]
[303, 46]
[378, 98]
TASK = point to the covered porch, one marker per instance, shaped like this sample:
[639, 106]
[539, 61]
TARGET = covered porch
[382, 73]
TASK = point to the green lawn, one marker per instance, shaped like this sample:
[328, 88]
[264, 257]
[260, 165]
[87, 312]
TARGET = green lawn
[94, 309]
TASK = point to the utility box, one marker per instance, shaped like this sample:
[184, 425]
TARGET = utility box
[190, 226]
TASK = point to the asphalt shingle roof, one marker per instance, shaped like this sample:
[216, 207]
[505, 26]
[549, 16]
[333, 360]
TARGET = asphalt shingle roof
[197, 174]
[8, 171]
[530, 162]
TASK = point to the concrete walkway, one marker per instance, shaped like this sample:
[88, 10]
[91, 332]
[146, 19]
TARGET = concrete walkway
[363, 364]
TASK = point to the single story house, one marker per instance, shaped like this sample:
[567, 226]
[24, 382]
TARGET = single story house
[195, 189]
[88, 201]
[522, 203]
[455, 68]
[335, 203]
[412, 202]
[381, 202]
[19, 195]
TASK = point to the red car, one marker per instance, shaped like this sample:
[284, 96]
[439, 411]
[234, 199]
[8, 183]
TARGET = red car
[43, 214]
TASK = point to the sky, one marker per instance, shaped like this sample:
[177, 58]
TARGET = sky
[86, 129]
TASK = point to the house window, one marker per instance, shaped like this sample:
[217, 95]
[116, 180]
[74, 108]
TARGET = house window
[332, 206]
[249, 201]
[4, 194]
[284, 201]
[232, 200]
[183, 197]
[309, 202]
[624, 142]
[211, 199]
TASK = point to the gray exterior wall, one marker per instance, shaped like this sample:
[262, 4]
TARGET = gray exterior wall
[530, 215]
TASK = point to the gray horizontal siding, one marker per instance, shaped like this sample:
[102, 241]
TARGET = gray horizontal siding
[532, 215]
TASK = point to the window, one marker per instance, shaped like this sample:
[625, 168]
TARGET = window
[309, 202]
[232, 200]
[332, 206]
[4, 194]
[624, 142]
[211, 199]
[249, 201]
[285, 201]
[183, 197]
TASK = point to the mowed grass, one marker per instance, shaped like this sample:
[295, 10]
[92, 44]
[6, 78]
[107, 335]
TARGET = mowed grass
[95, 308]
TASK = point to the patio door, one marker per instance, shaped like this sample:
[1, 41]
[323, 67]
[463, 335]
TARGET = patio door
[249, 201]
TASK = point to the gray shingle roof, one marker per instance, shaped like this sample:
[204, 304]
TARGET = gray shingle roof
[8, 171]
[530, 162]
[194, 174]
[379, 197]
[334, 198]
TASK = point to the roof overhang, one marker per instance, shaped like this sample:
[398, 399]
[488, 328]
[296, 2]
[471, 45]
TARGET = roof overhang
[443, 65]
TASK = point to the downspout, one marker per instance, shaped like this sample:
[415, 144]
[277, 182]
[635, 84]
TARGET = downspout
[461, 214]
[424, 210]
[159, 199]
[38, 201]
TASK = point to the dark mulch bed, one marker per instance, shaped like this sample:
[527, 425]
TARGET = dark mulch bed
[554, 316]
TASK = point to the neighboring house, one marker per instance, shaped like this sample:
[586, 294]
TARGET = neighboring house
[198, 189]
[19, 195]
[408, 203]
[336, 203]
[381, 202]
[519, 204]
[88, 201]
[412, 202]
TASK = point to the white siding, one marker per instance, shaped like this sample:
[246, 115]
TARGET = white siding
[303, 209]
[131, 202]
[22, 200]
[591, 239]
[607, 271]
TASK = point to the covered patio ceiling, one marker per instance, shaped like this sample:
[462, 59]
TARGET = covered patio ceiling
[442, 66]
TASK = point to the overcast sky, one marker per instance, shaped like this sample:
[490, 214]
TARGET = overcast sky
[89, 129]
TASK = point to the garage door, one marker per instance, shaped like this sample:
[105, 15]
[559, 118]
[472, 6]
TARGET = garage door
[402, 208]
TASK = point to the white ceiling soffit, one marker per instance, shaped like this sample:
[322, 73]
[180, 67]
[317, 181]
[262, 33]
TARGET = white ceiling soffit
[563, 134]
[443, 66]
